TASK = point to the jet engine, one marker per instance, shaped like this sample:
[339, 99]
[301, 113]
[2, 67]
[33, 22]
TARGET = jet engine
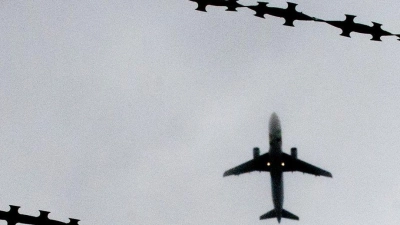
[293, 152]
[256, 152]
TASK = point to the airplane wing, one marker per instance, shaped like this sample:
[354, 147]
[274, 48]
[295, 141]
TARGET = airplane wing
[257, 164]
[293, 164]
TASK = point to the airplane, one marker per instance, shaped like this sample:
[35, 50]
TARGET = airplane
[290, 14]
[231, 4]
[276, 162]
[348, 26]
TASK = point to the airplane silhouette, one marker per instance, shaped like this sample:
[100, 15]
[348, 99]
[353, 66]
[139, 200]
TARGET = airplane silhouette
[276, 162]
[290, 14]
[231, 4]
[348, 26]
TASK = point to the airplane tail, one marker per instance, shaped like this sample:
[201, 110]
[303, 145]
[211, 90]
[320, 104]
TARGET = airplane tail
[274, 214]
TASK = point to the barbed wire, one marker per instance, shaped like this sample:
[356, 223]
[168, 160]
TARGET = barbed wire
[290, 14]
[13, 217]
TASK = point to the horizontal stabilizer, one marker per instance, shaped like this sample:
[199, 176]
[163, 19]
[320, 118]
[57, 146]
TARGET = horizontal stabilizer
[285, 214]
[289, 215]
[269, 215]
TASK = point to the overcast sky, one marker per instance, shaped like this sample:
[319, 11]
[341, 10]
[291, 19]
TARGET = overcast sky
[129, 112]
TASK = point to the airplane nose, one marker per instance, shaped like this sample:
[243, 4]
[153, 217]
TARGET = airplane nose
[275, 135]
[274, 124]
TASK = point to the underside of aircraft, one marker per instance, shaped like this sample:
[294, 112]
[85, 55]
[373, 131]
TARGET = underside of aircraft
[276, 162]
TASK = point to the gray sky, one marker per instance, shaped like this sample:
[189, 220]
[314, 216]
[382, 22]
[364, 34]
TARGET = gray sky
[129, 112]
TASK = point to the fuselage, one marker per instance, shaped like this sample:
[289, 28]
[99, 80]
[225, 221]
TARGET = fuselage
[276, 164]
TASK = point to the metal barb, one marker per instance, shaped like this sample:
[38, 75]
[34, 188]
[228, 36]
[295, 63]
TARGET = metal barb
[13, 217]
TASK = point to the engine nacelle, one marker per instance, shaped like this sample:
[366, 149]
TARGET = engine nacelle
[293, 152]
[256, 152]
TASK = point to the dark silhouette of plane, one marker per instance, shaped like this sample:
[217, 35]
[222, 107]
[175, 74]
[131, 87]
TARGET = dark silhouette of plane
[231, 4]
[276, 162]
[348, 26]
[290, 14]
